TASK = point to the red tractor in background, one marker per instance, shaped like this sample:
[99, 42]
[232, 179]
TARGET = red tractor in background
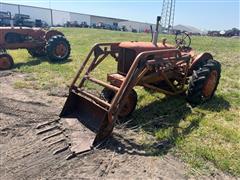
[37, 41]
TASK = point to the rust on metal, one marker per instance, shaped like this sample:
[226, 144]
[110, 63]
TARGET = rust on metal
[89, 117]
[145, 46]
[36, 33]
[81, 138]
[60, 50]
[109, 86]
[210, 84]
[94, 117]
[6, 62]
[35, 40]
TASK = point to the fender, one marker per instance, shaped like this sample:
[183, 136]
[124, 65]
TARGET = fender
[199, 60]
[51, 33]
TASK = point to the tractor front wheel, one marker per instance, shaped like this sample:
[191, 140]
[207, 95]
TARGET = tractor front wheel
[58, 48]
[204, 82]
[129, 105]
[6, 61]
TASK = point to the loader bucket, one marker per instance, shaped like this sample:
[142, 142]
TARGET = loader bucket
[86, 122]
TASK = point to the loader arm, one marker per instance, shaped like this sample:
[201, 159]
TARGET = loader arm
[134, 75]
[97, 54]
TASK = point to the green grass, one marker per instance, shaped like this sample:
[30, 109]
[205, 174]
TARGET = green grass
[203, 136]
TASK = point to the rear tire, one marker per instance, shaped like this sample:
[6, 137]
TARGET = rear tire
[204, 82]
[58, 48]
[6, 61]
[130, 101]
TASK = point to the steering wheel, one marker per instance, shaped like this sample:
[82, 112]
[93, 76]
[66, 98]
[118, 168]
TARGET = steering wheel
[183, 40]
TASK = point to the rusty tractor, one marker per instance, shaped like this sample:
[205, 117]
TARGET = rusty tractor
[38, 42]
[170, 69]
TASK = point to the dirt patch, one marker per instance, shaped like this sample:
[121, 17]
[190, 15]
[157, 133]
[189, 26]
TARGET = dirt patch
[24, 154]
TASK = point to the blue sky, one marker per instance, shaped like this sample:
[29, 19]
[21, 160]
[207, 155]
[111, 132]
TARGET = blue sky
[203, 14]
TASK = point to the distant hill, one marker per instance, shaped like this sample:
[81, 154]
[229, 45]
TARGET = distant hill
[187, 28]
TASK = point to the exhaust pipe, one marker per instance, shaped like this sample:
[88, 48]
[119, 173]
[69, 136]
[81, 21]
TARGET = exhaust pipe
[155, 34]
[11, 19]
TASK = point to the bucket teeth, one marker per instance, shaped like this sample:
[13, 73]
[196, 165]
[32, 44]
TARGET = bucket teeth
[58, 130]
[72, 155]
[47, 130]
[56, 142]
[52, 135]
[47, 123]
[61, 150]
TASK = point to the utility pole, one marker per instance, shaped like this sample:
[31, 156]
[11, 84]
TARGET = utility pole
[51, 12]
[168, 12]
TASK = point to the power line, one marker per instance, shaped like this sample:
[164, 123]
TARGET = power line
[168, 12]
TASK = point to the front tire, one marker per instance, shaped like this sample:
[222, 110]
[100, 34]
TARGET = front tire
[204, 82]
[130, 102]
[58, 48]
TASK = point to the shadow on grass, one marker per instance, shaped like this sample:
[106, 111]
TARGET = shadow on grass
[162, 115]
[39, 60]
[216, 104]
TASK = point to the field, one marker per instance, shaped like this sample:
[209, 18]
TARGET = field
[206, 137]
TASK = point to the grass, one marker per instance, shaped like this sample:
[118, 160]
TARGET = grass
[202, 136]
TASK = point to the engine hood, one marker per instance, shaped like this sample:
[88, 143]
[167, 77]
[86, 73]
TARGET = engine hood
[145, 46]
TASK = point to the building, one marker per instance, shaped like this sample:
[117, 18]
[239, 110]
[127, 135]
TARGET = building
[189, 29]
[60, 18]
[138, 26]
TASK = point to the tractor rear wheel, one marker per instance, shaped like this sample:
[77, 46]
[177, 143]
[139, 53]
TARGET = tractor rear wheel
[204, 82]
[37, 52]
[130, 102]
[58, 48]
[6, 61]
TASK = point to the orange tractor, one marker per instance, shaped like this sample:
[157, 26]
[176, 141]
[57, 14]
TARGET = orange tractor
[38, 42]
[90, 116]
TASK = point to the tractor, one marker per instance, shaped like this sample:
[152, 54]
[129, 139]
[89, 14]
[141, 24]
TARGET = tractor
[89, 114]
[37, 41]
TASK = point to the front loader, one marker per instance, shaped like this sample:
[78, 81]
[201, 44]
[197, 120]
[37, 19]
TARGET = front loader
[89, 115]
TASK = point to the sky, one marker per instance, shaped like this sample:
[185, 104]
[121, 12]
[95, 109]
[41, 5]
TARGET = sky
[202, 14]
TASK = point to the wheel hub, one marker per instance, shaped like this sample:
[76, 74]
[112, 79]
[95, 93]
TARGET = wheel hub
[5, 63]
[60, 50]
[210, 84]
[128, 106]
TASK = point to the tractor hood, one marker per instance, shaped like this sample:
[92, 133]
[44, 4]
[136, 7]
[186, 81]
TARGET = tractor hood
[20, 28]
[145, 46]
